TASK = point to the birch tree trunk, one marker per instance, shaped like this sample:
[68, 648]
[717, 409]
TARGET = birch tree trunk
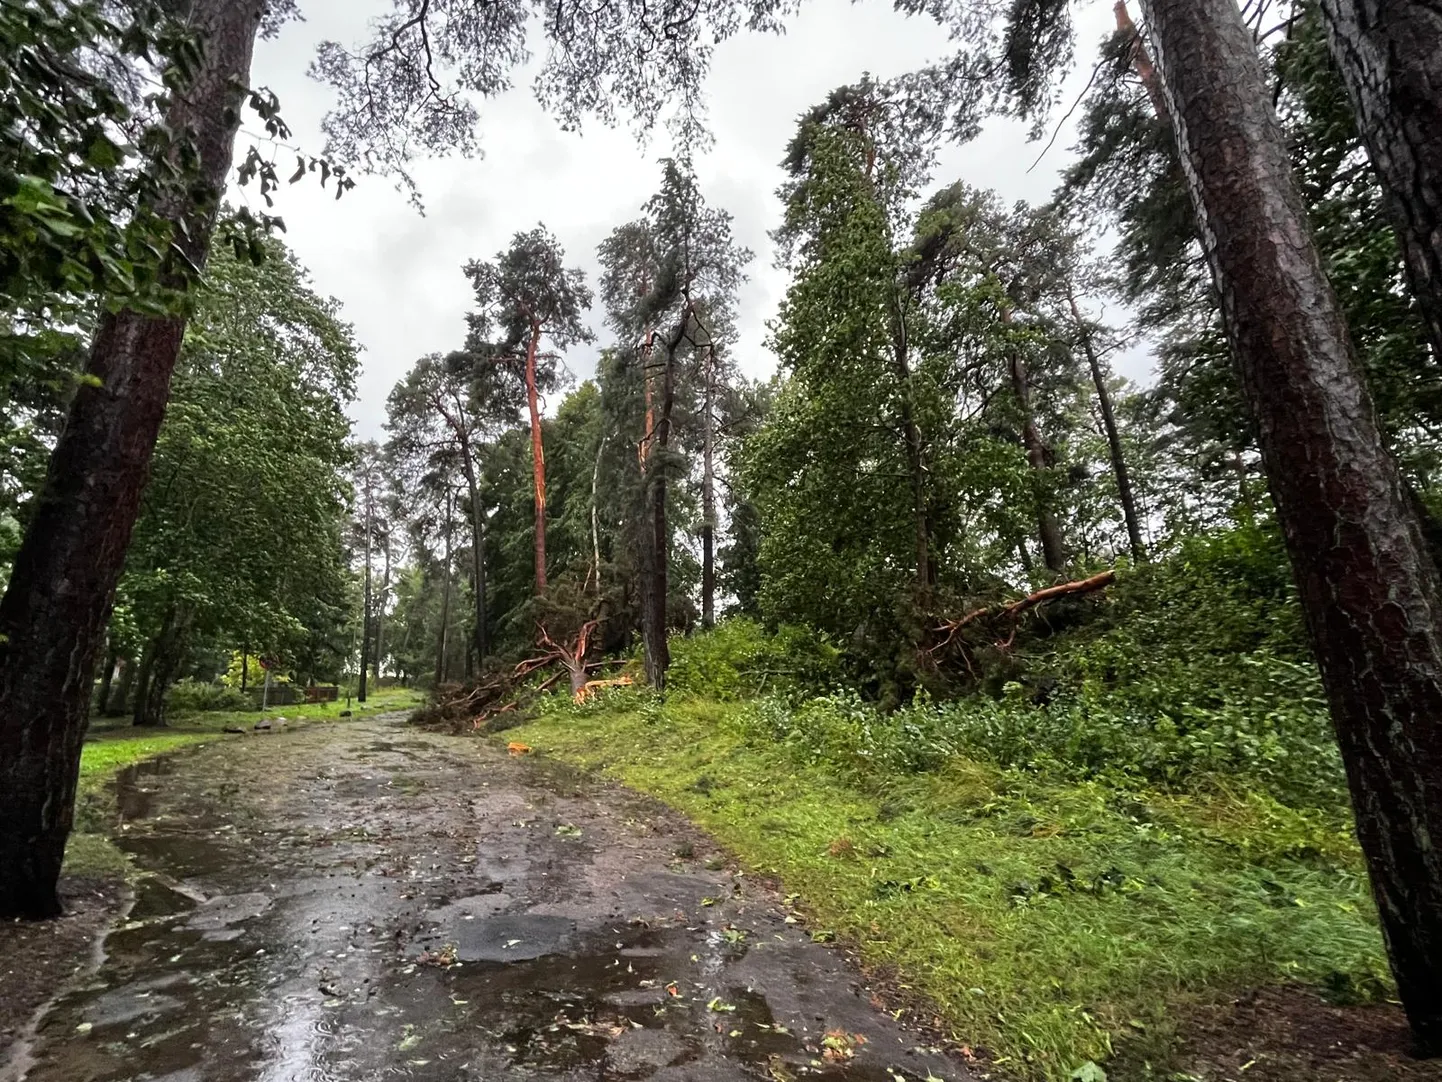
[1368, 587]
[53, 616]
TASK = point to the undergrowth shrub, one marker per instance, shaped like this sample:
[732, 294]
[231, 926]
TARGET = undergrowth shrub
[1282, 745]
[196, 696]
[739, 659]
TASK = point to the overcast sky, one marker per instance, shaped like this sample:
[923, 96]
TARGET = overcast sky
[398, 274]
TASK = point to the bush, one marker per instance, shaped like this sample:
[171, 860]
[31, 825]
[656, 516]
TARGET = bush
[197, 696]
[739, 659]
[1281, 743]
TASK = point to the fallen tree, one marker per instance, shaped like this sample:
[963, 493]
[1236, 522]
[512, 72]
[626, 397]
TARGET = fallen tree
[989, 615]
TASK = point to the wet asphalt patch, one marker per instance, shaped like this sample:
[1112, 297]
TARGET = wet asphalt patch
[360, 902]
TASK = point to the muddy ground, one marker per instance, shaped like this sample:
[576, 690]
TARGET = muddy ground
[366, 901]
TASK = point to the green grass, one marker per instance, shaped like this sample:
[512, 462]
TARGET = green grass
[213, 721]
[1050, 923]
[114, 744]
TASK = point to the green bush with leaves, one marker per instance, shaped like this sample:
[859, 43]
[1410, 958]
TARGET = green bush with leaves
[198, 696]
[739, 659]
[1193, 674]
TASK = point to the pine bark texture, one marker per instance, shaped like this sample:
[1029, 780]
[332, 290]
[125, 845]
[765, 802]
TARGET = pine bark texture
[1369, 590]
[1390, 56]
[62, 586]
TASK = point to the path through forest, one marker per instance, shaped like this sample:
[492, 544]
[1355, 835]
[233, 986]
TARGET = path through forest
[302, 892]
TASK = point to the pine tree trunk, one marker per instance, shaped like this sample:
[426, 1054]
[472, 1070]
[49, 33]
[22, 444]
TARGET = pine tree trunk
[366, 603]
[1114, 438]
[1390, 56]
[1369, 590]
[1141, 62]
[380, 618]
[595, 514]
[53, 616]
[708, 496]
[538, 455]
[1037, 454]
[445, 603]
[478, 545]
[655, 572]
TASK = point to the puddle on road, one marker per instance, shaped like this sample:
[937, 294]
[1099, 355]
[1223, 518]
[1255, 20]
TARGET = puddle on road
[136, 788]
[243, 960]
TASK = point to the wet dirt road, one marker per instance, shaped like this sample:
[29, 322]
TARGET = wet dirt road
[364, 901]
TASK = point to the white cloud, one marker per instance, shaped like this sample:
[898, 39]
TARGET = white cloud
[398, 273]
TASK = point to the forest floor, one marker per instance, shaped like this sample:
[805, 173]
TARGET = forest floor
[363, 900]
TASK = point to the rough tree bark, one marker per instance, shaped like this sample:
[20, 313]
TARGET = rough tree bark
[538, 454]
[55, 609]
[1390, 56]
[1369, 590]
[1114, 438]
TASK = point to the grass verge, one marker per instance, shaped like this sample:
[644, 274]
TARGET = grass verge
[1054, 924]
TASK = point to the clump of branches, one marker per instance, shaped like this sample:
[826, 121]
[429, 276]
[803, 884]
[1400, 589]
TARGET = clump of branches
[994, 627]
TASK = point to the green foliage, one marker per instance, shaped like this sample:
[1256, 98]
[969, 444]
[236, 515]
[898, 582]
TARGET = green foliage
[1192, 675]
[239, 540]
[738, 659]
[73, 195]
[197, 696]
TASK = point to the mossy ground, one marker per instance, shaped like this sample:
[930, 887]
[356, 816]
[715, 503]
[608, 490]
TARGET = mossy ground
[1050, 923]
[113, 744]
